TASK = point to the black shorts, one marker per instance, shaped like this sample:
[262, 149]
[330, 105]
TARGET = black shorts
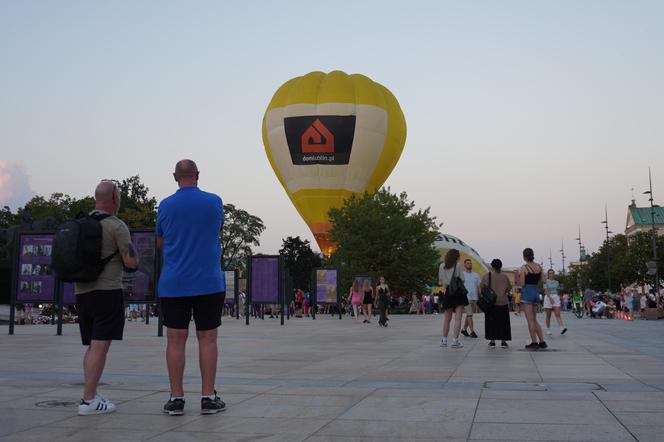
[207, 310]
[100, 315]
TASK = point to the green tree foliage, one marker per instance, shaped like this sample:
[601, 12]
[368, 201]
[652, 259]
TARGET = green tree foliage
[381, 234]
[626, 258]
[300, 260]
[241, 231]
[137, 209]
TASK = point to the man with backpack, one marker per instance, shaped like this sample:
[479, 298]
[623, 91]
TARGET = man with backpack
[92, 251]
[189, 223]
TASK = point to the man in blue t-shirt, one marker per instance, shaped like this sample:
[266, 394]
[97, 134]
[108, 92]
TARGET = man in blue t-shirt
[191, 282]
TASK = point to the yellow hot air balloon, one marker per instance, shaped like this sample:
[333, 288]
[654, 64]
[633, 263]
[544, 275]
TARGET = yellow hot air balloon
[328, 136]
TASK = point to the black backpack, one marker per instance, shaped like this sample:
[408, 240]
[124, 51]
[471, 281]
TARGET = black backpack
[76, 255]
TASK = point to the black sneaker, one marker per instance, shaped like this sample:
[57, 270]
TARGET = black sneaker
[503, 344]
[492, 344]
[563, 331]
[542, 345]
[212, 406]
[464, 332]
[532, 346]
[473, 335]
[174, 407]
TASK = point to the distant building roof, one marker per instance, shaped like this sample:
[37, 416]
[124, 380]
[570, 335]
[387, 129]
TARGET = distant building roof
[642, 215]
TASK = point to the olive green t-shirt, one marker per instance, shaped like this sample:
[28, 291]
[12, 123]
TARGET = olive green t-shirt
[115, 236]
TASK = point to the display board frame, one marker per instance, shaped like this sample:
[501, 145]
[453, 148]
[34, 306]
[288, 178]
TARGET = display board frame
[280, 278]
[63, 293]
[315, 285]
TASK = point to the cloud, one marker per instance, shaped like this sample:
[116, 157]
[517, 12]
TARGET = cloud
[15, 188]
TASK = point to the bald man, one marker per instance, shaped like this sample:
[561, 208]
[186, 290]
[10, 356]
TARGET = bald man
[100, 303]
[191, 283]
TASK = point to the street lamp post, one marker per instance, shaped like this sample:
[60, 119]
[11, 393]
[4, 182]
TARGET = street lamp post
[562, 254]
[654, 231]
[608, 249]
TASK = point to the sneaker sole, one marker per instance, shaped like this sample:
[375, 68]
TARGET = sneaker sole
[174, 413]
[93, 412]
[213, 411]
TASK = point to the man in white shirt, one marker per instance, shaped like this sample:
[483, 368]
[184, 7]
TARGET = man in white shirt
[472, 283]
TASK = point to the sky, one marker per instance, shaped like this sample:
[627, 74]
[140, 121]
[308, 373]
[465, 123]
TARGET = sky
[524, 117]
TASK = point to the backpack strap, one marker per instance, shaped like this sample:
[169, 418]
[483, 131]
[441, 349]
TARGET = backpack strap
[100, 216]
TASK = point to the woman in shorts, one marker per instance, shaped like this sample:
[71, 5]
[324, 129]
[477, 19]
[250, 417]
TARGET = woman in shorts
[552, 302]
[531, 274]
[367, 301]
[452, 304]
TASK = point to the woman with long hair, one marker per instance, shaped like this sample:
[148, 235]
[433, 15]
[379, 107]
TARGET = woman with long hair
[355, 299]
[531, 274]
[367, 301]
[552, 302]
[497, 319]
[383, 294]
[452, 302]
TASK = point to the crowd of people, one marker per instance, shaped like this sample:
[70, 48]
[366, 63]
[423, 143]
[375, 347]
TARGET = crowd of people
[191, 285]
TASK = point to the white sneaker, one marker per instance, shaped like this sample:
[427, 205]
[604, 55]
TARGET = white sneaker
[548, 332]
[457, 344]
[443, 342]
[98, 405]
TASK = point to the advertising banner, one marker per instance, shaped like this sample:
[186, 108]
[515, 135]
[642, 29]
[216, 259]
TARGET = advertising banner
[326, 286]
[229, 276]
[36, 282]
[138, 286]
[265, 279]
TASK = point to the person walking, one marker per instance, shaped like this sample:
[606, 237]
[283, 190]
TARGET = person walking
[191, 282]
[99, 303]
[383, 298]
[497, 319]
[355, 299]
[452, 303]
[552, 302]
[531, 274]
[471, 280]
[367, 301]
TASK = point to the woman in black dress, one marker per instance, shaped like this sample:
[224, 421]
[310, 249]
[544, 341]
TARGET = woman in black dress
[383, 293]
[497, 319]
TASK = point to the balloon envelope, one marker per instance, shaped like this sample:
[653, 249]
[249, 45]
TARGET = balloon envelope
[328, 136]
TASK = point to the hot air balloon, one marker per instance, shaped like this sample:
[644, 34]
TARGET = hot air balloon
[447, 242]
[328, 136]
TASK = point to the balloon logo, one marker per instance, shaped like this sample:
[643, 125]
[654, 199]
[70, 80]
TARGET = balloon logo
[328, 136]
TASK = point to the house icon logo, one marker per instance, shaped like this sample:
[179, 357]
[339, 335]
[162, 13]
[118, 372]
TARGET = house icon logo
[317, 139]
[320, 139]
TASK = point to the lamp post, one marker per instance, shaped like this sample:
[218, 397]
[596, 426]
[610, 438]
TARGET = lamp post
[654, 230]
[562, 254]
[582, 250]
[608, 249]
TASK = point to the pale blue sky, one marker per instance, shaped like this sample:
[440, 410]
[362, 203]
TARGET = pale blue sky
[524, 117]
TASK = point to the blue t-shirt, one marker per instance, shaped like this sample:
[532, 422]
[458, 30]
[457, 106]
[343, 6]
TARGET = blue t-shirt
[190, 221]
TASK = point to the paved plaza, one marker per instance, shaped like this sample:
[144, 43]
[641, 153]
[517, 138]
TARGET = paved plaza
[334, 380]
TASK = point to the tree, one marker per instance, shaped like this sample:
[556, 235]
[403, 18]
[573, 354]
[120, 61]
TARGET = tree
[137, 209]
[241, 231]
[382, 234]
[627, 258]
[300, 260]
